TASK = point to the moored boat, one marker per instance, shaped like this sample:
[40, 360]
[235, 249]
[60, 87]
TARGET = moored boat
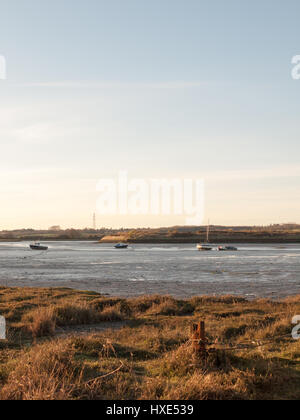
[227, 248]
[121, 246]
[38, 247]
[206, 246]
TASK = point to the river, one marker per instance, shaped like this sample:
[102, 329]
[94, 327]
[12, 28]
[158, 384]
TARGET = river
[271, 271]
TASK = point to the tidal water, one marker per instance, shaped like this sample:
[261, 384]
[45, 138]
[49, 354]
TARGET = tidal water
[271, 271]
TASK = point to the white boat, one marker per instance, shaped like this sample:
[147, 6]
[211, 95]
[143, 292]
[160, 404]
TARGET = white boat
[206, 246]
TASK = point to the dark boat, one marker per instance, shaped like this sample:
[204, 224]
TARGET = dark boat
[121, 246]
[38, 247]
[227, 248]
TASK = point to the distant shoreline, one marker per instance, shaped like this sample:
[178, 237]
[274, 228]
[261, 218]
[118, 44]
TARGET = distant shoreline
[219, 240]
[279, 234]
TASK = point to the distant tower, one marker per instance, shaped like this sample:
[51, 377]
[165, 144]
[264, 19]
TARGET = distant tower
[94, 221]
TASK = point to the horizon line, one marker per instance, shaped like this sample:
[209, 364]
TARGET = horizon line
[154, 228]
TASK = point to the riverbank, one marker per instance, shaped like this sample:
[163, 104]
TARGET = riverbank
[176, 235]
[150, 357]
[215, 238]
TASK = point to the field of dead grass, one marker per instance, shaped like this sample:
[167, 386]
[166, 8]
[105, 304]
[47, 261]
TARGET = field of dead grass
[151, 357]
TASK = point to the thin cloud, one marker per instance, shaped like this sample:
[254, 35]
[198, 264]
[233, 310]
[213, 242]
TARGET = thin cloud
[291, 171]
[114, 85]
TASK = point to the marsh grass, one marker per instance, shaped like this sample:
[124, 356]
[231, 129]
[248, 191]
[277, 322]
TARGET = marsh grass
[153, 349]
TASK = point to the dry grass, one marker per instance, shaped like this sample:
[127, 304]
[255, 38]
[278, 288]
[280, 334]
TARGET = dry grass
[40, 322]
[47, 372]
[43, 320]
[157, 360]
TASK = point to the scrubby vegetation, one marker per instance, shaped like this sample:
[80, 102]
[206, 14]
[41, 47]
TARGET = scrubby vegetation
[150, 357]
[284, 233]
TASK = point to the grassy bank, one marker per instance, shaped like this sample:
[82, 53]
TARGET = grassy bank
[150, 357]
[217, 235]
[180, 234]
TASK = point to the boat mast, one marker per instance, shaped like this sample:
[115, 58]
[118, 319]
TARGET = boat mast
[207, 233]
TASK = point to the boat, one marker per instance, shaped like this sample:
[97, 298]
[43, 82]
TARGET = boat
[38, 247]
[206, 246]
[121, 246]
[227, 248]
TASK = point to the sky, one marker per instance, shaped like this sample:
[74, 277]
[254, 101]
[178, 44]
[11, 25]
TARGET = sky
[160, 89]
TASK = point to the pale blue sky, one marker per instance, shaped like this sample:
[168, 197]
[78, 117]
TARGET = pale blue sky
[159, 88]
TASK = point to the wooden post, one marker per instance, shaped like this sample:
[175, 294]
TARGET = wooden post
[202, 338]
[199, 339]
[195, 338]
